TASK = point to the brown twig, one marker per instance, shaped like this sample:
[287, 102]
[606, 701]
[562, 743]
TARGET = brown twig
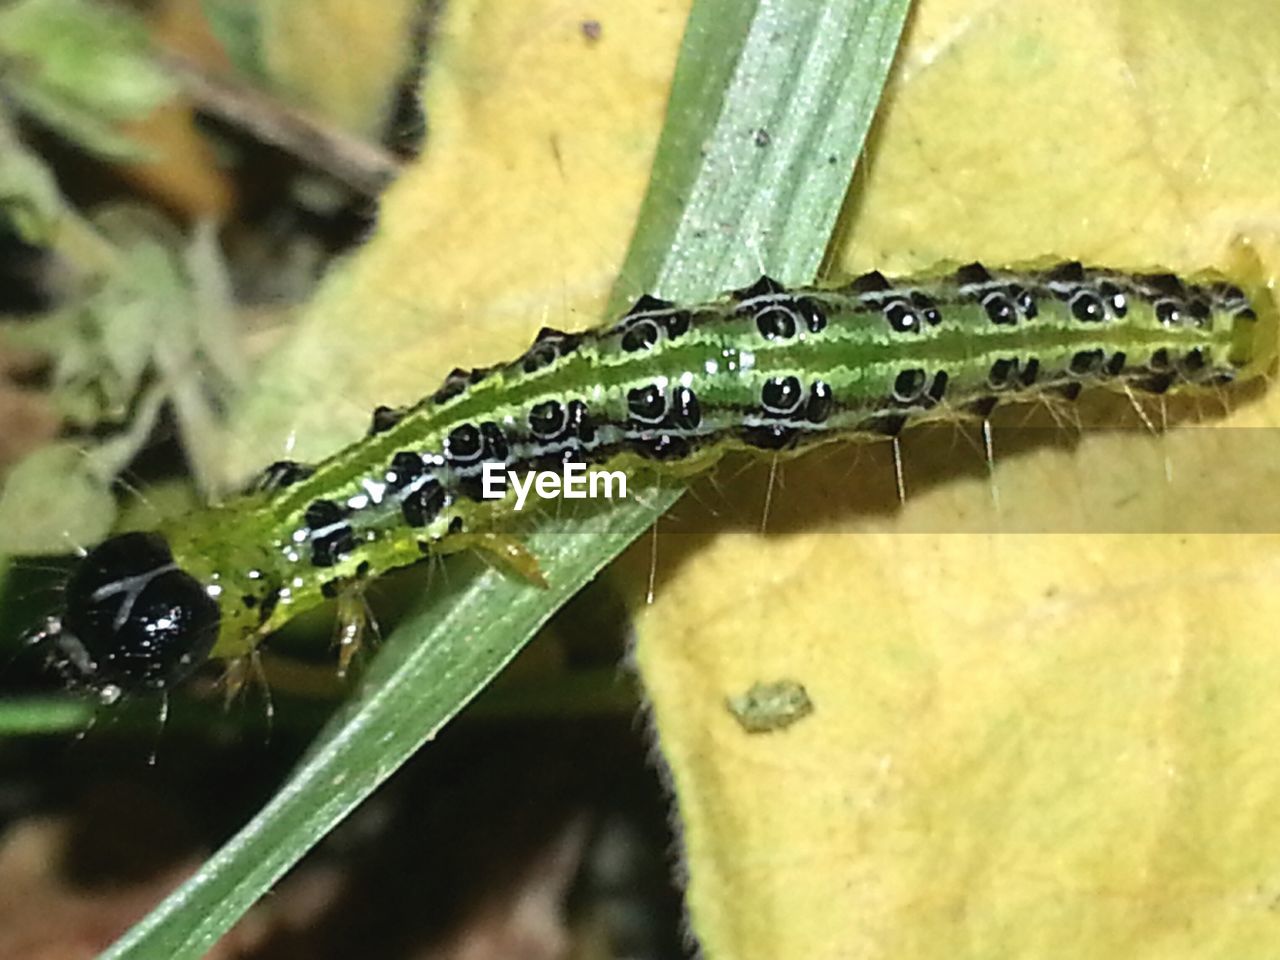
[356, 163]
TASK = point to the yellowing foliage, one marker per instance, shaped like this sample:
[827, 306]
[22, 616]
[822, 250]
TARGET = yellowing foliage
[1022, 744]
[342, 58]
[516, 216]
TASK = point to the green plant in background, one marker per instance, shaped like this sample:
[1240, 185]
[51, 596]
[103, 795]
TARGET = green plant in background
[82, 69]
[146, 319]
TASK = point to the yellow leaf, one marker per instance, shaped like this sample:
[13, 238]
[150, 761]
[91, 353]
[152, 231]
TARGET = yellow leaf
[342, 58]
[516, 216]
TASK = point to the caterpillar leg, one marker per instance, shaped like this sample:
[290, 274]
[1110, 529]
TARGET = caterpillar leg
[275, 673]
[239, 674]
[281, 474]
[234, 678]
[299, 678]
[354, 622]
[510, 555]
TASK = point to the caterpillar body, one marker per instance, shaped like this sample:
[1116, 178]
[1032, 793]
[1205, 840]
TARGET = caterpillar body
[668, 387]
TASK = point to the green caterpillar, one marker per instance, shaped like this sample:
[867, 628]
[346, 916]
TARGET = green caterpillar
[668, 387]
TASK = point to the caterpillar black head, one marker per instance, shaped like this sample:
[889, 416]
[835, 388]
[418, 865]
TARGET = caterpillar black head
[133, 621]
